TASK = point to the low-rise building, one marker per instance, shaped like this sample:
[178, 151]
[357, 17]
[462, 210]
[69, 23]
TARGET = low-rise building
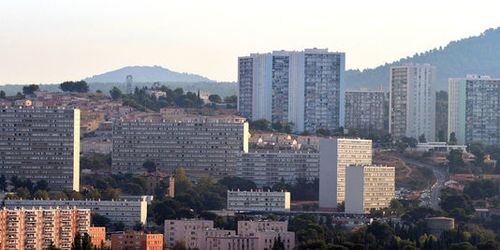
[97, 236]
[258, 201]
[37, 228]
[186, 231]
[136, 240]
[129, 212]
[438, 147]
[368, 187]
[267, 232]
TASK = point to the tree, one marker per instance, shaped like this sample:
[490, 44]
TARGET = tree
[86, 242]
[41, 194]
[215, 98]
[42, 185]
[77, 242]
[455, 160]
[477, 149]
[278, 244]
[150, 166]
[422, 139]
[233, 183]
[180, 245]
[30, 89]
[3, 183]
[70, 86]
[23, 193]
[115, 93]
[231, 99]
[261, 124]
[2, 94]
[182, 181]
[99, 220]
[453, 139]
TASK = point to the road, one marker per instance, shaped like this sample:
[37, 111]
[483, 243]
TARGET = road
[441, 175]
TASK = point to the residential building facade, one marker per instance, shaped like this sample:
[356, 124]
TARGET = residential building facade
[412, 104]
[38, 228]
[130, 212]
[335, 155]
[136, 240]
[301, 88]
[41, 144]
[364, 110]
[200, 144]
[97, 236]
[368, 187]
[258, 201]
[474, 109]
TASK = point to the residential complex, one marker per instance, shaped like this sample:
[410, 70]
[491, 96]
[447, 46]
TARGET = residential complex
[200, 144]
[41, 144]
[301, 88]
[130, 212]
[364, 110]
[136, 240]
[335, 155]
[474, 109]
[368, 187]
[97, 236]
[38, 228]
[412, 107]
[258, 201]
[253, 235]
[275, 157]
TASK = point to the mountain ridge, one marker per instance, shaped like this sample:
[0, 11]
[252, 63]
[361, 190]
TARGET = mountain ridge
[472, 55]
[146, 74]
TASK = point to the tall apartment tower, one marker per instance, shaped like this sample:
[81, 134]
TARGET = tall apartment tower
[335, 155]
[474, 109]
[41, 144]
[412, 101]
[364, 110]
[303, 88]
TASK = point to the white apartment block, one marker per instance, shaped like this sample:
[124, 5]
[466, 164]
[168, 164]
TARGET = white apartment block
[335, 155]
[412, 107]
[127, 211]
[252, 235]
[258, 201]
[37, 228]
[364, 110]
[202, 145]
[41, 144]
[369, 187]
[303, 88]
[474, 109]
[267, 168]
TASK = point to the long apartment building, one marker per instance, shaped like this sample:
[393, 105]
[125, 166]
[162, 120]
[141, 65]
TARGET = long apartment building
[251, 235]
[258, 201]
[301, 88]
[203, 145]
[364, 110]
[41, 144]
[36, 228]
[136, 240]
[474, 109]
[369, 187]
[412, 107]
[335, 155]
[130, 212]
[275, 157]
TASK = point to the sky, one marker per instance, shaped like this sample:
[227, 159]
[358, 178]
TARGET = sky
[52, 41]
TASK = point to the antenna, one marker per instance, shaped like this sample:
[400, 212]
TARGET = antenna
[129, 80]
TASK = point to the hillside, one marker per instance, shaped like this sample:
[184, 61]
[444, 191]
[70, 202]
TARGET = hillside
[473, 55]
[146, 74]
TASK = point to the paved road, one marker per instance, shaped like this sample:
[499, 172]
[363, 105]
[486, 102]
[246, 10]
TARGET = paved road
[441, 175]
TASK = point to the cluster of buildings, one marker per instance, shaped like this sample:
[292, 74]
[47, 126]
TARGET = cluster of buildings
[201, 234]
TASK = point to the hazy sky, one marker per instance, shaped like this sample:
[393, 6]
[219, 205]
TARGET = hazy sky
[57, 40]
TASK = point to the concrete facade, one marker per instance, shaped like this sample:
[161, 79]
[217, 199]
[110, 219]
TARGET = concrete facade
[303, 88]
[258, 201]
[412, 104]
[136, 240]
[127, 211]
[202, 145]
[38, 228]
[474, 109]
[368, 187]
[335, 155]
[364, 110]
[41, 144]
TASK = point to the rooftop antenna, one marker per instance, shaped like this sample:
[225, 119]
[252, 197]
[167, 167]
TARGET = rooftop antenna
[129, 80]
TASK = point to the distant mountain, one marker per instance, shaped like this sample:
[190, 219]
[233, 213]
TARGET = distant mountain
[473, 55]
[146, 74]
